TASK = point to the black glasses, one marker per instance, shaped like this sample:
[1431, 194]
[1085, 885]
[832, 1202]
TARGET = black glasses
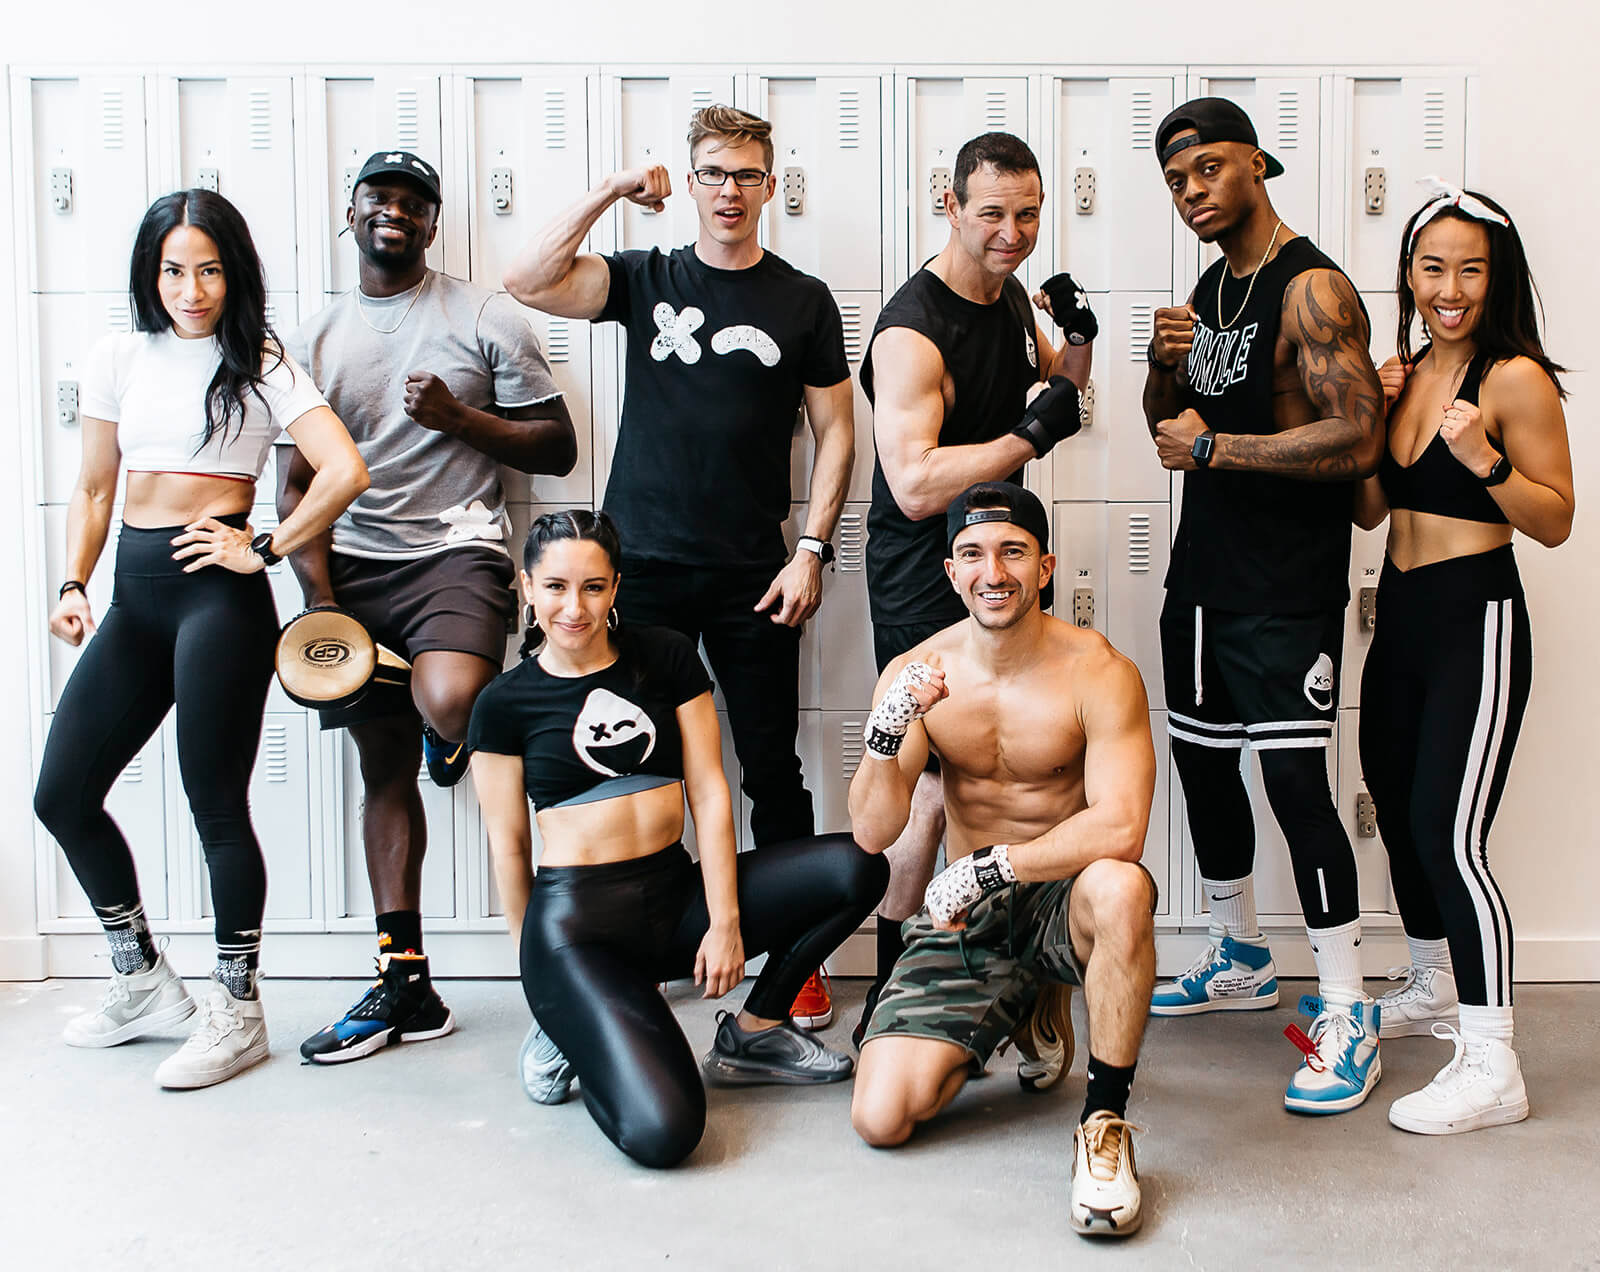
[717, 177]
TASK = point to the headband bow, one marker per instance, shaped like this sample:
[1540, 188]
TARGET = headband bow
[1444, 195]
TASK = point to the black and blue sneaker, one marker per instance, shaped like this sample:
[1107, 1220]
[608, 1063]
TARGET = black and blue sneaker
[447, 761]
[401, 1006]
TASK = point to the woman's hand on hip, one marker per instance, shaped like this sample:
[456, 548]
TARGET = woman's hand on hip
[212, 542]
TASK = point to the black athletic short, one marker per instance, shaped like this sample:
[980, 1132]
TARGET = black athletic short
[460, 599]
[1269, 680]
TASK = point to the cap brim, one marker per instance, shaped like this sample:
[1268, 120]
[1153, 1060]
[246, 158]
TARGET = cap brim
[1274, 168]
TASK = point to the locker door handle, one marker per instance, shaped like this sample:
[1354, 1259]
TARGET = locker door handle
[794, 191]
[1374, 185]
[61, 190]
[1083, 191]
[500, 190]
[1366, 817]
[1367, 608]
[938, 183]
[208, 179]
[67, 403]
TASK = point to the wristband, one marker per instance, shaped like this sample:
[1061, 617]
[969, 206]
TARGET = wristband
[1150, 357]
[886, 727]
[71, 585]
[962, 884]
[1052, 416]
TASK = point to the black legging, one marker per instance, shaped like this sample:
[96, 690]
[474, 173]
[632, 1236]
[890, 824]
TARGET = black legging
[1442, 698]
[205, 642]
[598, 939]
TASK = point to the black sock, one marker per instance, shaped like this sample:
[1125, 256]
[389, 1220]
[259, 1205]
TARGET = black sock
[1108, 1088]
[400, 932]
[238, 961]
[890, 947]
[132, 947]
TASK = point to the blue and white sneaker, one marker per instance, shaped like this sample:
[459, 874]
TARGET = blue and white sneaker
[401, 1006]
[1229, 975]
[546, 1073]
[1341, 1064]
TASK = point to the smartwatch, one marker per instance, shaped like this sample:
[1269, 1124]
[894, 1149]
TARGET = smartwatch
[821, 547]
[1202, 448]
[261, 545]
[1497, 474]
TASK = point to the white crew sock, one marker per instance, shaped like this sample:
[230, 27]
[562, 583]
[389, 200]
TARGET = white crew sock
[1480, 1023]
[1338, 957]
[1429, 953]
[1232, 903]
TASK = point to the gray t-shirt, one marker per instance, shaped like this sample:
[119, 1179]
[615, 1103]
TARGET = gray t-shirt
[429, 492]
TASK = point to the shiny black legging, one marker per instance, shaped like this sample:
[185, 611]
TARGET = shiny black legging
[598, 939]
[203, 641]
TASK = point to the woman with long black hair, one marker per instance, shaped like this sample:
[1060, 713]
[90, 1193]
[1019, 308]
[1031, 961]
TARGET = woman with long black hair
[187, 404]
[1477, 449]
[606, 730]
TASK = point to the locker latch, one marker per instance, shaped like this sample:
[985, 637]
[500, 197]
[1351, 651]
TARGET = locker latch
[350, 175]
[1086, 406]
[500, 190]
[1374, 185]
[61, 189]
[1366, 817]
[208, 179]
[938, 183]
[794, 191]
[67, 403]
[1083, 606]
[1083, 191]
[1367, 608]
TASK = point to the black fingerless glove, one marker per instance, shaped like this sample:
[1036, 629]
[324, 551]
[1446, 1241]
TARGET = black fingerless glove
[1051, 416]
[1069, 306]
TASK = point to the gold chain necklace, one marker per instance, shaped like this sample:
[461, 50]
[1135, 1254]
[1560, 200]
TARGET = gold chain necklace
[1271, 243]
[421, 287]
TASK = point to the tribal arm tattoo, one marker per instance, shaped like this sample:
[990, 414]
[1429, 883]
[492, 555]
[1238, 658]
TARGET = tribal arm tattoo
[1322, 319]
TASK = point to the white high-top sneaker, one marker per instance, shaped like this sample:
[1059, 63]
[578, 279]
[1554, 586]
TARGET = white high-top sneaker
[1426, 994]
[135, 1004]
[232, 1036]
[1481, 1086]
[1105, 1180]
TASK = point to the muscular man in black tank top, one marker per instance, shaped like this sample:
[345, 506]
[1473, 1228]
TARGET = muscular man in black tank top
[956, 372]
[1261, 392]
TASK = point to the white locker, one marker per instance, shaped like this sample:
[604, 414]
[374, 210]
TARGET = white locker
[287, 597]
[1112, 224]
[62, 657]
[358, 116]
[650, 124]
[1112, 457]
[858, 312]
[1397, 131]
[236, 136]
[528, 158]
[68, 326]
[1157, 857]
[842, 628]
[90, 179]
[438, 866]
[839, 751]
[1372, 860]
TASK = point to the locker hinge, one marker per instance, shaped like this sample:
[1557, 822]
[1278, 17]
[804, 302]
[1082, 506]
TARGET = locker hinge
[1374, 185]
[208, 179]
[61, 190]
[794, 191]
[1083, 191]
[1367, 608]
[938, 183]
[500, 190]
[67, 403]
[1366, 817]
[1083, 606]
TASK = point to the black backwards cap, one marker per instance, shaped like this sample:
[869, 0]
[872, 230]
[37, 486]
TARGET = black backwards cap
[402, 163]
[1213, 119]
[1000, 501]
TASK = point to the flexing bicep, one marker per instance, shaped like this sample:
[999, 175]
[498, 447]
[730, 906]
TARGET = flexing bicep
[1119, 759]
[909, 407]
[1522, 404]
[1322, 319]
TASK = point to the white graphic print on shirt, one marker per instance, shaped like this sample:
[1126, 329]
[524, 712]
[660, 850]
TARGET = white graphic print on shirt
[475, 521]
[1219, 358]
[676, 333]
[744, 336]
[612, 736]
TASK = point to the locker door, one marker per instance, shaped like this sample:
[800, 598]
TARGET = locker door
[89, 181]
[839, 755]
[438, 867]
[1112, 223]
[68, 326]
[1157, 857]
[651, 125]
[287, 598]
[1372, 860]
[358, 117]
[528, 159]
[843, 626]
[942, 113]
[858, 312]
[1397, 131]
[62, 658]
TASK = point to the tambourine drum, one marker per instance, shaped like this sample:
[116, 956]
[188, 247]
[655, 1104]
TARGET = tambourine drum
[326, 659]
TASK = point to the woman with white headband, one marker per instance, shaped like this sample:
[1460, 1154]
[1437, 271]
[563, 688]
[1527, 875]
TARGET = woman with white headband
[1477, 448]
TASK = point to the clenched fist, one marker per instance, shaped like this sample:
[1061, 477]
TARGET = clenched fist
[1174, 335]
[1175, 440]
[648, 186]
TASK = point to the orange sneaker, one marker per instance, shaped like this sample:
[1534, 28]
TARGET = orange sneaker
[813, 1005]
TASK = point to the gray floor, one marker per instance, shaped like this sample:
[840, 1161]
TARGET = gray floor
[429, 1157]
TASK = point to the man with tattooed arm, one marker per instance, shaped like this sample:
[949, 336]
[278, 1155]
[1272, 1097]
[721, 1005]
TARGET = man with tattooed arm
[1261, 392]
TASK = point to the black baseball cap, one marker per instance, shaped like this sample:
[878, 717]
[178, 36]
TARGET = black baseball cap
[1213, 119]
[402, 163]
[1000, 501]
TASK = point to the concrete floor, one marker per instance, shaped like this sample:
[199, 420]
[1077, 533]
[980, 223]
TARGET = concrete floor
[429, 1157]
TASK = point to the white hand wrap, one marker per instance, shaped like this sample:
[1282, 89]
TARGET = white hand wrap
[962, 884]
[886, 726]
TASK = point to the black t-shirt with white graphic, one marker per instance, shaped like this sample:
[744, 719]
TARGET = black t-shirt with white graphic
[718, 361]
[574, 732]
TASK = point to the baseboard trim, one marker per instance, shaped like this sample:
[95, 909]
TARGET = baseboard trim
[23, 958]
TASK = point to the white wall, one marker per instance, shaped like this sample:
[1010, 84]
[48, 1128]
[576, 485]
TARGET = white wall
[1534, 152]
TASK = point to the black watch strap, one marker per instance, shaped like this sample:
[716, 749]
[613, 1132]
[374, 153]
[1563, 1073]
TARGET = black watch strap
[1202, 448]
[71, 585]
[261, 545]
[1498, 473]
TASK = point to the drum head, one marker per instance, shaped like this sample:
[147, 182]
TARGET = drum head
[325, 658]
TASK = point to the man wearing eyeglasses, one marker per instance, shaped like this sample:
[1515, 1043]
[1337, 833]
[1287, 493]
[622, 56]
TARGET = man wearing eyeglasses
[725, 341]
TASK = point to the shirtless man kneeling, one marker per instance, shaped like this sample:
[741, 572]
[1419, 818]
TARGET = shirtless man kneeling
[1043, 733]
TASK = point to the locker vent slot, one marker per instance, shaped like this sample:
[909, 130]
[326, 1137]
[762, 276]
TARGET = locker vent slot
[272, 314]
[994, 109]
[406, 128]
[133, 775]
[558, 340]
[555, 119]
[260, 119]
[852, 542]
[700, 98]
[850, 747]
[851, 314]
[118, 317]
[1141, 330]
[1142, 120]
[1139, 543]
[277, 740]
[1289, 119]
[1433, 119]
[849, 119]
[111, 119]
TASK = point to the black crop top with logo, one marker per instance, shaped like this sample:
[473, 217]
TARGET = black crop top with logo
[615, 727]
[1436, 481]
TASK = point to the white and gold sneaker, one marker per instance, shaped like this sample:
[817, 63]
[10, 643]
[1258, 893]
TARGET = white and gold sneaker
[1045, 1042]
[1105, 1179]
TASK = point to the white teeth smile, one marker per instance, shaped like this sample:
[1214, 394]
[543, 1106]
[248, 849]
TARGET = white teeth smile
[993, 596]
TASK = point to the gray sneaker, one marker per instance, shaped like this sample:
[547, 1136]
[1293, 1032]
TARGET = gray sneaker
[134, 1005]
[781, 1054]
[546, 1073]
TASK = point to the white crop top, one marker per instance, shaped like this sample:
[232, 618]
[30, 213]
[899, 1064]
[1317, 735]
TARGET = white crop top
[153, 387]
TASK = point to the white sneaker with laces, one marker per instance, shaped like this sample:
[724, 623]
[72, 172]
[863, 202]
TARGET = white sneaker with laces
[135, 1004]
[232, 1036]
[1045, 1042]
[1481, 1086]
[1425, 995]
[1105, 1180]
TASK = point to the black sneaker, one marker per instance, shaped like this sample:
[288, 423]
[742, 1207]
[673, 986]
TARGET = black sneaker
[401, 1006]
[447, 761]
[782, 1053]
[859, 1033]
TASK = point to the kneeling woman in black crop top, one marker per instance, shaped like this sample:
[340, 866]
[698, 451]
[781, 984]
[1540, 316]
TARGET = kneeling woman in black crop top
[1477, 448]
[606, 730]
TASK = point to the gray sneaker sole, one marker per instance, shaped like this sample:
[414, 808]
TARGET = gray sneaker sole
[155, 1022]
[198, 1078]
[733, 1071]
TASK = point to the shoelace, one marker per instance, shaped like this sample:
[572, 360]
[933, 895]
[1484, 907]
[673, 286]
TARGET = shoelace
[1202, 963]
[221, 1019]
[1102, 1148]
[117, 993]
[1466, 1066]
[1412, 988]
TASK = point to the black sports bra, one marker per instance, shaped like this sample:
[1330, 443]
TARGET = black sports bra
[1437, 482]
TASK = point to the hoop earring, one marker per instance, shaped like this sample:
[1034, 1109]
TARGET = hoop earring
[528, 619]
[612, 620]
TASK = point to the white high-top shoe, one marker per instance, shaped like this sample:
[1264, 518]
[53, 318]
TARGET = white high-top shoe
[1426, 994]
[232, 1036]
[1481, 1086]
[135, 1004]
